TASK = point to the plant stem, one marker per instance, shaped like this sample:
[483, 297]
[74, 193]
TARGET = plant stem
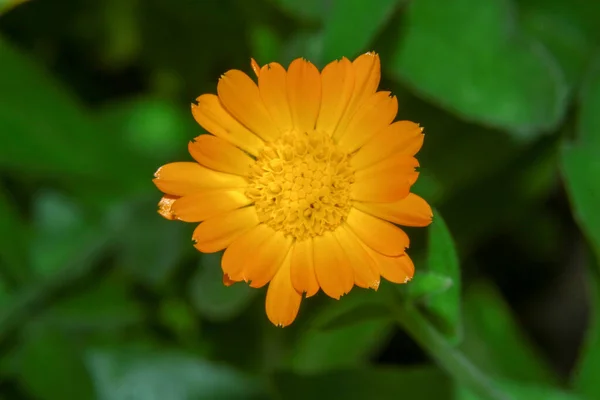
[447, 357]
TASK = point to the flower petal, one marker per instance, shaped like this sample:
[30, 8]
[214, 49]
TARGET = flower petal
[373, 116]
[255, 67]
[240, 96]
[304, 94]
[395, 269]
[256, 255]
[386, 181]
[283, 301]
[410, 211]
[337, 81]
[303, 275]
[400, 138]
[217, 233]
[379, 235]
[220, 155]
[181, 178]
[332, 268]
[211, 115]
[265, 261]
[366, 274]
[367, 73]
[165, 206]
[203, 205]
[272, 86]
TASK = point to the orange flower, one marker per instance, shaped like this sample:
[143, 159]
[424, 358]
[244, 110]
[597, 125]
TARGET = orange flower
[299, 179]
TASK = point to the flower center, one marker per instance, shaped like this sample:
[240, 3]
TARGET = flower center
[301, 184]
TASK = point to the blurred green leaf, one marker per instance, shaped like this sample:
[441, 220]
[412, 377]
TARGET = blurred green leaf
[467, 56]
[107, 306]
[266, 45]
[357, 306]
[7, 5]
[127, 374]
[151, 246]
[59, 227]
[351, 345]
[443, 260]
[494, 340]
[351, 26]
[178, 316]
[588, 128]
[587, 370]
[581, 168]
[554, 24]
[426, 284]
[14, 259]
[521, 391]
[211, 297]
[51, 367]
[50, 133]
[305, 9]
[380, 383]
[151, 127]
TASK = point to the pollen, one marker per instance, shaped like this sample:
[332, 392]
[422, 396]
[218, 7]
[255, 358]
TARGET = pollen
[301, 184]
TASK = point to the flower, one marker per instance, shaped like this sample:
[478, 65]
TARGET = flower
[301, 182]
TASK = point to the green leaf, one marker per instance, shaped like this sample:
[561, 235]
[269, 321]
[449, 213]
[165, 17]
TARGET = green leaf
[211, 297]
[312, 10]
[351, 345]
[59, 227]
[128, 374]
[443, 260]
[561, 31]
[467, 56]
[51, 134]
[357, 306]
[426, 284]
[360, 384]
[7, 5]
[587, 370]
[581, 168]
[351, 26]
[13, 253]
[50, 367]
[589, 120]
[106, 306]
[494, 341]
[521, 391]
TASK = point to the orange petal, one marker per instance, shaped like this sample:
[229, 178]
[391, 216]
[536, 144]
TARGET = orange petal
[240, 96]
[304, 94]
[227, 280]
[211, 115]
[400, 138]
[367, 73]
[379, 235]
[164, 206]
[272, 86]
[373, 116]
[283, 301]
[410, 211]
[239, 256]
[255, 67]
[220, 155]
[332, 268]
[203, 205]
[265, 261]
[386, 181]
[217, 233]
[303, 268]
[337, 81]
[395, 269]
[366, 274]
[181, 178]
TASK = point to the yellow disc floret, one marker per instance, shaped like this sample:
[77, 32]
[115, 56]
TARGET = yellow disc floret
[301, 184]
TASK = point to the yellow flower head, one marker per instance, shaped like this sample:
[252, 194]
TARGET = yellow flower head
[301, 181]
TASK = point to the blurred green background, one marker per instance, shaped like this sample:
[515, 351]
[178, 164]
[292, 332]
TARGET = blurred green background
[101, 298]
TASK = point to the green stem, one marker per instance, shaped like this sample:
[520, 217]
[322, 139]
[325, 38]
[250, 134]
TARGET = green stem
[447, 357]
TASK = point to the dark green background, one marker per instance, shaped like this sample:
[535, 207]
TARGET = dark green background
[101, 298]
